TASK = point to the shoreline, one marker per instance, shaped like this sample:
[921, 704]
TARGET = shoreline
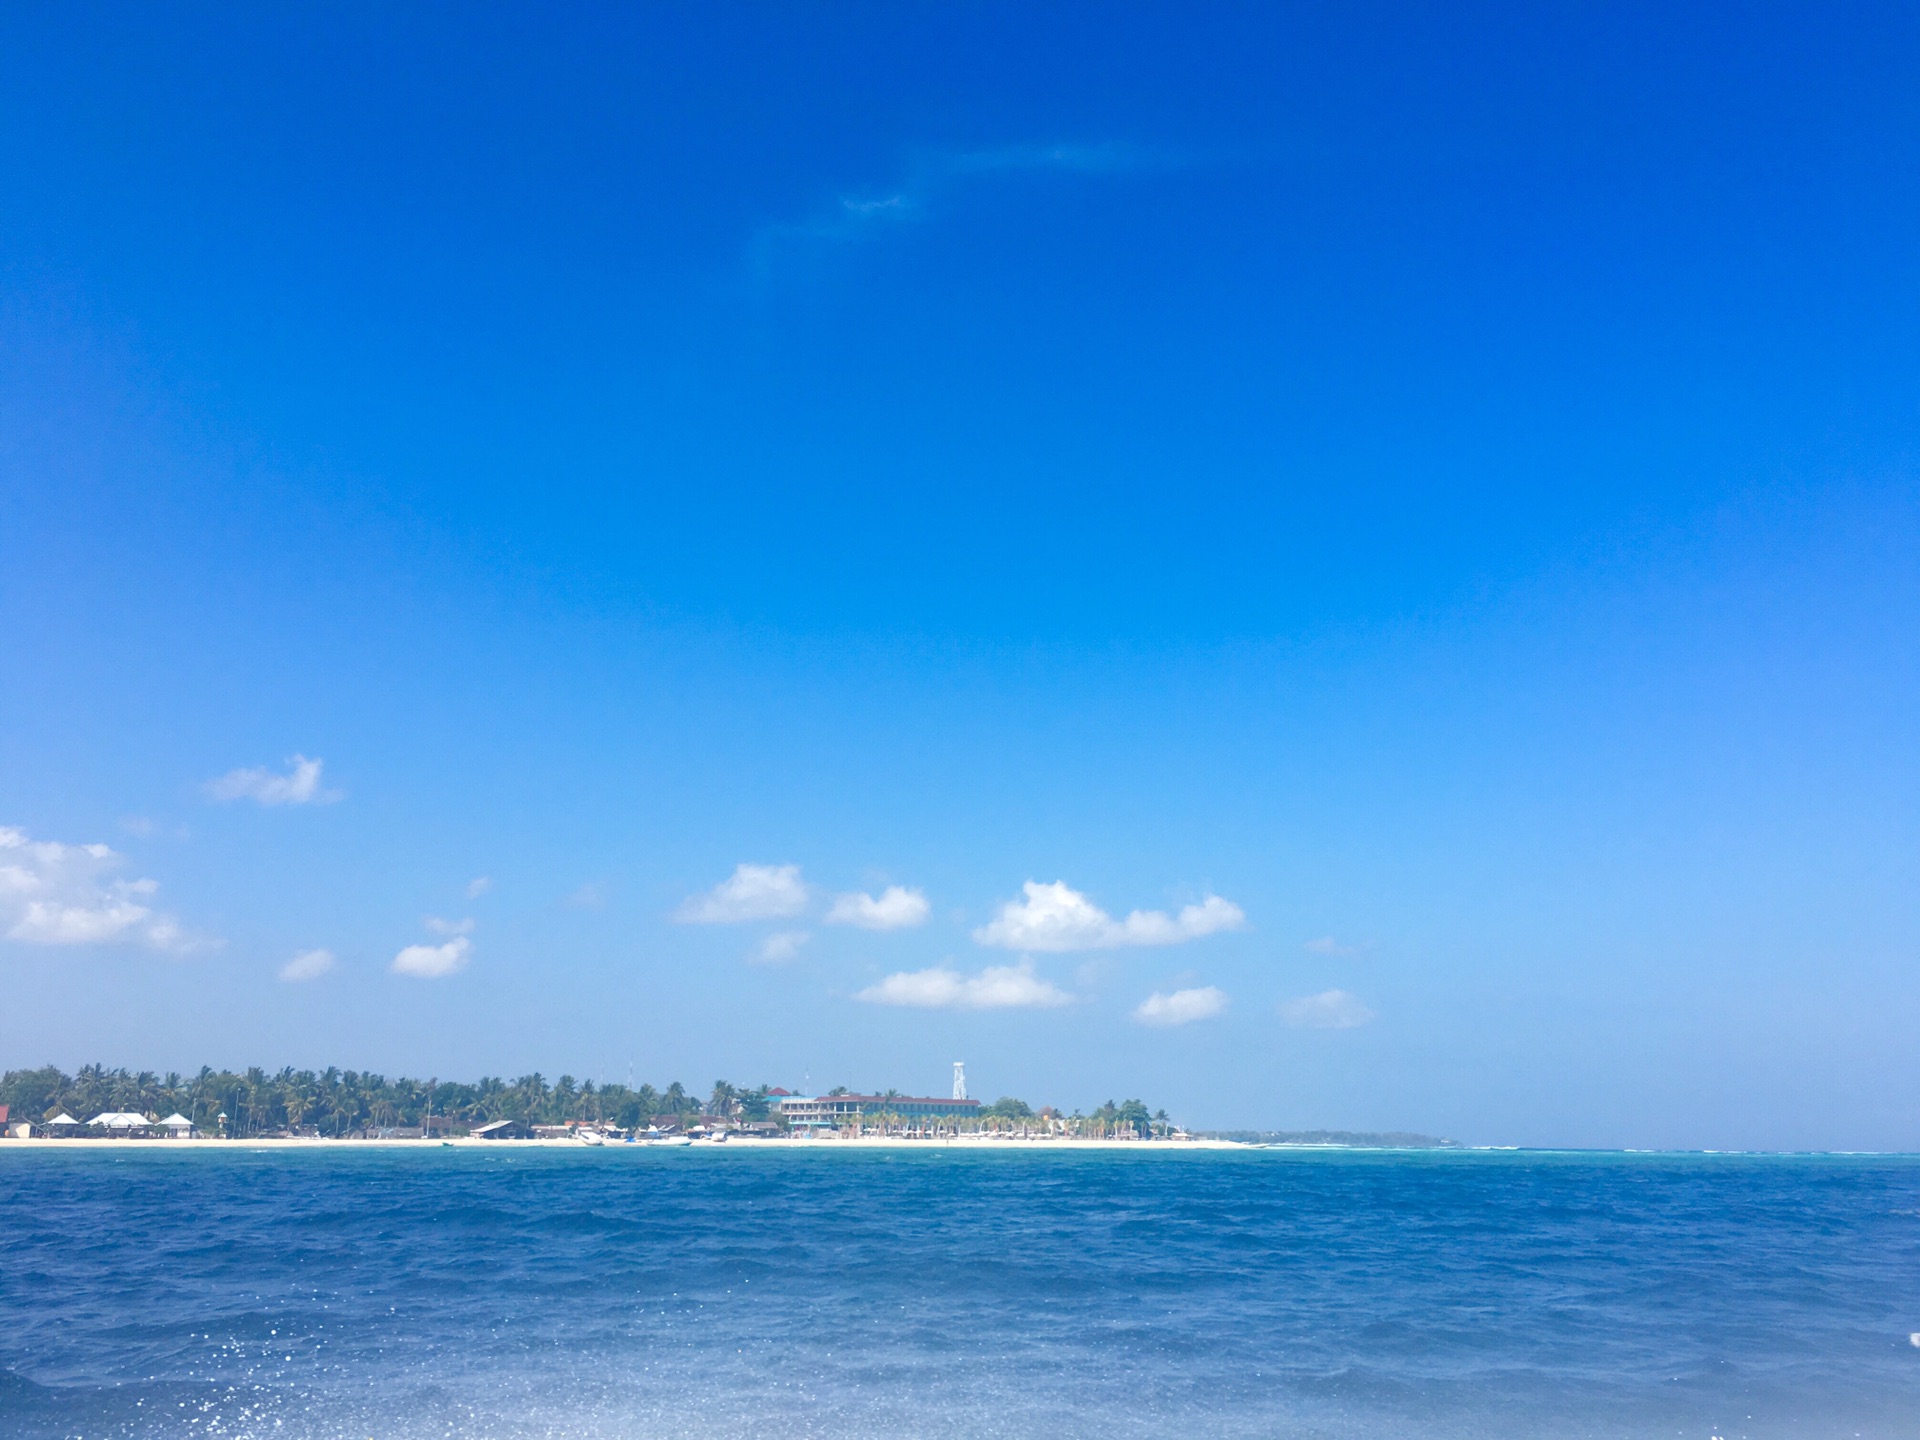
[462, 1142]
[1054, 1145]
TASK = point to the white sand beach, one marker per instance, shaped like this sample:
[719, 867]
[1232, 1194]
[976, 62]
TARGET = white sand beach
[808, 1144]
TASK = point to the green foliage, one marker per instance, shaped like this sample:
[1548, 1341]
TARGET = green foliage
[755, 1106]
[345, 1102]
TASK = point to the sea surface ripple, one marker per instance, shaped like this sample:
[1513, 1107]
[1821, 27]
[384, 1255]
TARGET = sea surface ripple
[340, 1294]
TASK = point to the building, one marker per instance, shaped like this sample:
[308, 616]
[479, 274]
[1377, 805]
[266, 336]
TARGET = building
[830, 1111]
[503, 1130]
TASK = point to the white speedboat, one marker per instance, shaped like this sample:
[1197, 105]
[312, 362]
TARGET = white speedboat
[589, 1137]
[675, 1140]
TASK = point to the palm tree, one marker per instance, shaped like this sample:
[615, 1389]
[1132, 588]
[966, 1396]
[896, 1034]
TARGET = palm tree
[341, 1101]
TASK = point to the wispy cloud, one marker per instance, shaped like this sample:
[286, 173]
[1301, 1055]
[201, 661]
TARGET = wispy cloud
[1327, 945]
[449, 927]
[752, 892]
[1329, 1010]
[1112, 158]
[307, 965]
[299, 786]
[1181, 1007]
[998, 987]
[1058, 917]
[895, 908]
[929, 179]
[145, 827]
[780, 947]
[57, 894]
[478, 886]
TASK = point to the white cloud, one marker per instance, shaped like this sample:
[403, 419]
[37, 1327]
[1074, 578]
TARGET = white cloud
[896, 908]
[752, 892]
[1182, 1007]
[55, 894]
[1329, 1010]
[780, 947]
[1058, 917]
[299, 786]
[448, 927]
[1327, 945]
[478, 886]
[307, 965]
[430, 962]
[998, 987]
[590, 896]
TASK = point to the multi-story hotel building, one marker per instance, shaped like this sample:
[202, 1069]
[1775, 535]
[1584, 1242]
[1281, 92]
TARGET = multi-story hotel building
[837, 1110]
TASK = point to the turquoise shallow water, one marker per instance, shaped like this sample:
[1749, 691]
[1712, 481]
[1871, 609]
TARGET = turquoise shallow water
[635, 1292]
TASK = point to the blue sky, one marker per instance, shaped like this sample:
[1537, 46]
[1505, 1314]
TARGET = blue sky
[1399, 526]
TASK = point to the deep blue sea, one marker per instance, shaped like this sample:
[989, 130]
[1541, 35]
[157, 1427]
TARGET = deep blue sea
[433, 1291]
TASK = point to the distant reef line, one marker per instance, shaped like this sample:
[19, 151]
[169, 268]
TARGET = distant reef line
[1349, 1139]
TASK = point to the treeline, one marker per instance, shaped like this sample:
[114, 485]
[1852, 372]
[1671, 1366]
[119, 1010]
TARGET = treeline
[343, 1102]
[347, 1102]
[1128, 1117]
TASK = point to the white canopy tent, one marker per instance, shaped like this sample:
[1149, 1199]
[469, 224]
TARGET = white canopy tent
[120, 1120]
[62, 1119]
[177, 1125]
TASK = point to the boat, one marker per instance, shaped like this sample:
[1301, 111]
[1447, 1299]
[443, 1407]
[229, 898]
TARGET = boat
[673, 1140]
[589, 1137]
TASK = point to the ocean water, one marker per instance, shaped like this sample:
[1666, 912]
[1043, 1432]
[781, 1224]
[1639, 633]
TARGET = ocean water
[433, 1291]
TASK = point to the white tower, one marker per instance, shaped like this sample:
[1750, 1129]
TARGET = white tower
[959, 1079]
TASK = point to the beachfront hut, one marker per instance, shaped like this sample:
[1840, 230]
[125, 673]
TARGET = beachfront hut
[177, 1126]
[63, 1124]
[503, 1130]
